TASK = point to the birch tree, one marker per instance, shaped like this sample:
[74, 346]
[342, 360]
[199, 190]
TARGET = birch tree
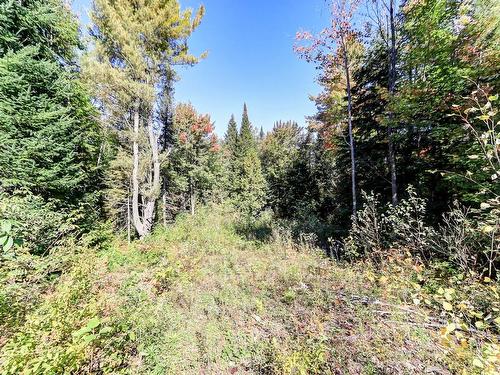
[334, 49]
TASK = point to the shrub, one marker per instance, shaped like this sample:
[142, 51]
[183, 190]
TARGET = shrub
[368, 233]
[38, 223]
[407, 227]
[470, 244]
[458, 239]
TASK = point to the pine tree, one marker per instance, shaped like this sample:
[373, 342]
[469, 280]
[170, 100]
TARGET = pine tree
[134, 50]
[50, 141]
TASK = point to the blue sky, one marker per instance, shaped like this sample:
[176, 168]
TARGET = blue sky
[250, 59]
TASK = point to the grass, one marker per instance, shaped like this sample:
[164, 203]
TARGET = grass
[204, 296]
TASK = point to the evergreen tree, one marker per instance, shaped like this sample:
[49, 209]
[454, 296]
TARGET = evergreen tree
[246, 138]
[134, 50]
[194, 168]
[231, 137]
[247, 185]
[279, 152]
[50, 141]
[261, 134]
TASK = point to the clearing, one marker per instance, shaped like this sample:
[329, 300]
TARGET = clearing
[206, 296]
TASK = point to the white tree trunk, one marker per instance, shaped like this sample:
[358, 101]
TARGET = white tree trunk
[392, 88]
[349, 121]
[154, 193]
[136, 216]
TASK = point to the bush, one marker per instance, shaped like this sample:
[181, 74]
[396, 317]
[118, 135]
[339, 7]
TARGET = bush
[470, 245]
[368, 234]
[459, 239]
[406, 226]
[39, 224]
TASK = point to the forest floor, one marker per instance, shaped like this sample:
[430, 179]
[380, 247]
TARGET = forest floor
[206, 297]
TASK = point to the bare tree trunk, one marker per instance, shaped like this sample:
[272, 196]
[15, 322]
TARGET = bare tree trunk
[164, 202]
[154, 193]
[136, 217]
[349, 120]
[129, 235]
[192, 198]
[392, 87]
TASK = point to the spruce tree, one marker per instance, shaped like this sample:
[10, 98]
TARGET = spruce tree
[50, 141]
[248, 183]
[247, 137]
[231, 137]
[261, 134]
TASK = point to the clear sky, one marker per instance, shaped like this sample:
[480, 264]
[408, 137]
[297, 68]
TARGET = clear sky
[250, 59]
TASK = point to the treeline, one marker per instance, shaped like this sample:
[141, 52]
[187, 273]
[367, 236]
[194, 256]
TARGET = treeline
[89, 132]
[92, 133]
[409, 109]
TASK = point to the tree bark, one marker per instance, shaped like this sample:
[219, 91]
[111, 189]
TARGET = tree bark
[349, 121]
[392, 87]
[192, 198]
[164, 201]
[149, 209]
[129, 232]
[136, 216]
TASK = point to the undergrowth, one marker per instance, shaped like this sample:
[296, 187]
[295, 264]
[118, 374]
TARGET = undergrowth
[214, 295]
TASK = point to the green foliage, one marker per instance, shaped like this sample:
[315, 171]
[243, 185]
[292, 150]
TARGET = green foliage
[408, 227]
[50, 139]
[66, 331]
[56, 319]
[246, 138]
[194, 166]
[460, 239]
[368, 233]
[30, 23]
[279, 153]
[40, 224]
[130, 71]
[246, 184]
[231, 138]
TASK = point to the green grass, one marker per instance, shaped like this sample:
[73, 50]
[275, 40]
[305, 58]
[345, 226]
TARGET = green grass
[204, 296]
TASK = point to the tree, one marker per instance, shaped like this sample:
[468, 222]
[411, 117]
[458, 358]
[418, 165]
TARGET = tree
[246, 137]
[135, 45]
[247, 188]
[261, 134]
[333, 48]
[193, 169]
[279, 151]
[50, 140]
[231, 137]
[392, 88]
[383, 15]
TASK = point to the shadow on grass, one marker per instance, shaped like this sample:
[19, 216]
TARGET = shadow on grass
[255, 229]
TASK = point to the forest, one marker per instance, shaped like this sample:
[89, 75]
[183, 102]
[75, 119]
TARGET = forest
[135, 239]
